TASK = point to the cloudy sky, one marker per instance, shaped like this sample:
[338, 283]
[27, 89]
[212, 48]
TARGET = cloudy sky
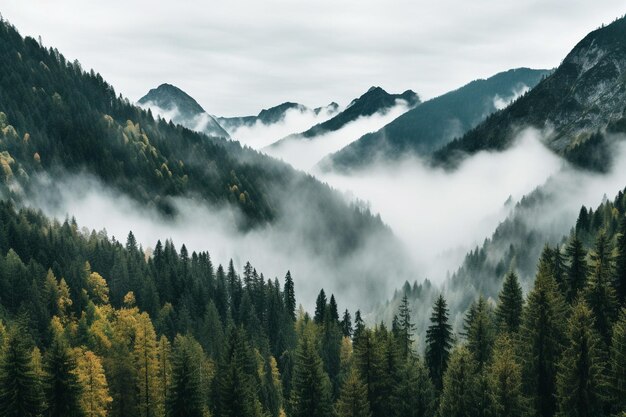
[238, 56]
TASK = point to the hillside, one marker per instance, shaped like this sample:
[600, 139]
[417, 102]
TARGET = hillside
[375, 100]
[577, 108]
[435, 122]
[182, 109]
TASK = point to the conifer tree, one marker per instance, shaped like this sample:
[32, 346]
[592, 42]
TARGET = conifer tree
[510, 303]
[618, 364]
[599, 293]
[580, 380]
[359, 326]
[61, 386]
[346, 324]
[147, 365]
[289, 297]
[353, 398]
[94, 399]
[438, 341]
[406, 328]
[165, 370]
[459, 397]
[185, 393]
[559, 269]
[620, 262]
[330, 350]
[505, 381]
[320, 307]
[413, 390]
[541, 339]
[481, 332]
[311, 390]
[577, 269]
[20, 389]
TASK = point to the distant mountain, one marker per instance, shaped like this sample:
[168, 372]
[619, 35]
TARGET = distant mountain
[435, 122]
[182, 109]
[272, 115]
[578, 107]
[375, 100]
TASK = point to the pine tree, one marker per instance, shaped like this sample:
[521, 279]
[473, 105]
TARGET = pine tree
[438, 341]
[359, 325]
[481, 332]
[406, 328]
[577, 270]
[20, 389]
[346, 324]
[620, 262]
[459, 397]
[332, 306]
[510, 303]
[541, 338]
[353, 398]
[559, 269]
[580, 379]
[61, 384]
[147, 365]
[505, 381]
[599, 292]
[185, 393]
[413, 391]
[311, 390]
[94, 399]
[289, 297]
[165, 371]
[618, 364]
[330, 350]
[320, 307]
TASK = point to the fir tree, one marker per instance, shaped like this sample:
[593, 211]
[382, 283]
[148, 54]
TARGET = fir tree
[459, 397]
[290, 297]
[60, 381]
[406, 328]
[438, 341]
[480, 332]
[346, 324]
[580, 380]
[599, 293]
[413, 391]
[320, 307]
[311, 390]
[505, 381]
[620, 261]
[618, 364]
[510, 303]
[577, 269]
[359, 325]
[184, 397]
[353, 398]
[20, 389]
[541, 338]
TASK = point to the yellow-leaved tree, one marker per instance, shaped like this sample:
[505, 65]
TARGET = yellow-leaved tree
[147, 365]
[95, 398]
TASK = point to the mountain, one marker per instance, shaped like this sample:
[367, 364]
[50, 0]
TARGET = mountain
[375, 100]
[182, 109]
[272, 115]
[435, 122]
[577, 108]
[59, 121]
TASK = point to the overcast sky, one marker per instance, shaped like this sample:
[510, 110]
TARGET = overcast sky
[239, 56]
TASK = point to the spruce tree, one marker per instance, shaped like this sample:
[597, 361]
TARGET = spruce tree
[438, 341]
[353, 398]
[332, 306]
[185, 394]
[290, 297]
[20, 388]
[541, 339]
[311, 389]
[359, 326]
[320, 307]
[580, 380]
[510, 303]
[577, 269]
[620, 262]
[459, 397]
[61, 387]
[346, 324]
[505, 381]
[481, 332]
[618, 364]
[599, 293]
[413, 391]
[406, 328]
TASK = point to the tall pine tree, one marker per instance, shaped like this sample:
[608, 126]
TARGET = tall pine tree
[438, 341]
[510, 303]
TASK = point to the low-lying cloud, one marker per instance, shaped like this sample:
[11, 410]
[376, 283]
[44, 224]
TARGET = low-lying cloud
[305, 153]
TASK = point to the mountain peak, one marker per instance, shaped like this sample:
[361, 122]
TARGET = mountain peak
[168, 96]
